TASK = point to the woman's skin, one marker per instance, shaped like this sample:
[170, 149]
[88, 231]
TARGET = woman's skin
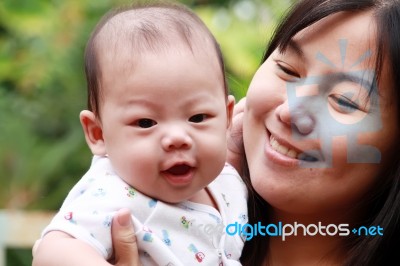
[124, 240]
[278, 133]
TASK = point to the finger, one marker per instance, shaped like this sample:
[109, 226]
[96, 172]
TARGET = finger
[235, 136]
[124, 239]
[239, 106]
[235, 149]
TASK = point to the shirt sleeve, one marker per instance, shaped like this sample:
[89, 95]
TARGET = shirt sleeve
[88, 210]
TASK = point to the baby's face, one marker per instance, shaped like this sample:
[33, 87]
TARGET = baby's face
[164, 121]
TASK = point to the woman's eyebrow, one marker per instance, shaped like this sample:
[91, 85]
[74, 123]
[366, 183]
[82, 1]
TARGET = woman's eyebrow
[295, 47]
[357, 77]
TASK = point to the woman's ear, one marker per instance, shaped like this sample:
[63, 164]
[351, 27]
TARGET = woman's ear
[229, 109]
[93, 132]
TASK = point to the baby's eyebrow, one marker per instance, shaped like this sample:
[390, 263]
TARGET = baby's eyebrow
[142, 102]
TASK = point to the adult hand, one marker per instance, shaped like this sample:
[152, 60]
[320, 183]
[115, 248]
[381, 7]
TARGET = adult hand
[235, 136]
[124, 240]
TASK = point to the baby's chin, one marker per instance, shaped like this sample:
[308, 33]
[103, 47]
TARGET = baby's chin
[170, 197]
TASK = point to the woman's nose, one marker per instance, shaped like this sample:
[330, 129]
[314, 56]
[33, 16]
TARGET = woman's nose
[296, 116]
[283, 113]
[175, 139]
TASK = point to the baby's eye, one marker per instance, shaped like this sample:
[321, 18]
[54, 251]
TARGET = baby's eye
[198, 118]
[145, 123]
[344, 104]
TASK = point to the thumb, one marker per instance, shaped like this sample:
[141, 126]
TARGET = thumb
[124, 239]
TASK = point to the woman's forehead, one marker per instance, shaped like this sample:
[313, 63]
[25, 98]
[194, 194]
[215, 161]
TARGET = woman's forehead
[340, 42]
[356, 27]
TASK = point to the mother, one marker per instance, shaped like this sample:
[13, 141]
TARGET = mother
[321, 127]
[321, 134]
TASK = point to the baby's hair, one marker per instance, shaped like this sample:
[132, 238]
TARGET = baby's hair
[146, 27]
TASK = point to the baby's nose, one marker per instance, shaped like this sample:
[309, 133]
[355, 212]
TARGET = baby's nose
[176, 138]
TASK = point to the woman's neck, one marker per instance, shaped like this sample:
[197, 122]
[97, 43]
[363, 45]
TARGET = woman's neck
[305, 250]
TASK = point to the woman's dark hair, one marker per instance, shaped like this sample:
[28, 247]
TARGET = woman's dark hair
[383, 202]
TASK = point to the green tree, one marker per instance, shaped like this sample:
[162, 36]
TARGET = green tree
[42, 87]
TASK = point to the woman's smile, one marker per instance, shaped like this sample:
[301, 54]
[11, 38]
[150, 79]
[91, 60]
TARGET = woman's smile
[295, 143]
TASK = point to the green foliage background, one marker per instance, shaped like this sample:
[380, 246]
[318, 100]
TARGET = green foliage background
[42, 86]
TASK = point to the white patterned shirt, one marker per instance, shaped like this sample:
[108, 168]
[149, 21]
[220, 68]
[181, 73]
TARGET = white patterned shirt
[185, 233]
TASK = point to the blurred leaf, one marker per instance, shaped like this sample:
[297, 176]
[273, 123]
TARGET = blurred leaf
[42, 85]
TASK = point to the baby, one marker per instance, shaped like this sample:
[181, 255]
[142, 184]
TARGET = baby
[158, 116]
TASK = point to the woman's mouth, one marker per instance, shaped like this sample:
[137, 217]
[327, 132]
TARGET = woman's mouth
[289, 152]
[282, 149]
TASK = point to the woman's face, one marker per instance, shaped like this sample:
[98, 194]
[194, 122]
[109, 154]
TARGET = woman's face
[315, 140]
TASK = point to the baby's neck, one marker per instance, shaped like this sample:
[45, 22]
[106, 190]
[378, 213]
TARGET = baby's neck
[204, 197]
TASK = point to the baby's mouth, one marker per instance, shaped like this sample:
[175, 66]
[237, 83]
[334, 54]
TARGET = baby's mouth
[180, 174]
[179, 169]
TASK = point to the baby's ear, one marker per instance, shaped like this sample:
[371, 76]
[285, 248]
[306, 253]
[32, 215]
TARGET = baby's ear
[93, 132]
[230, 104]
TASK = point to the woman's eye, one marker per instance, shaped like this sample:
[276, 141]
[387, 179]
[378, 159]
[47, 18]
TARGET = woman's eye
[145, 123]
[198, 118]
[344, 104]
[287, 70]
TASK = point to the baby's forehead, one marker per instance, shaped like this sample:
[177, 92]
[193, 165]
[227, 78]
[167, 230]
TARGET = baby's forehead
[154, 29]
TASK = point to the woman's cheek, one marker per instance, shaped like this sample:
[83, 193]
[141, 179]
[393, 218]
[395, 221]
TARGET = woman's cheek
[264, 95]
